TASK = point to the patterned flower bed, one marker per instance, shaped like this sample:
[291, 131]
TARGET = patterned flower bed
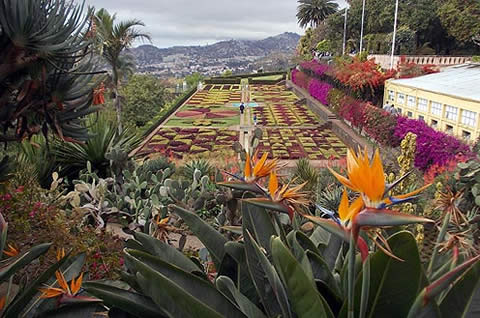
[232, 87]
[292, 144]
[179, 142]
[215, 97]
[279, 107]
[192, 115]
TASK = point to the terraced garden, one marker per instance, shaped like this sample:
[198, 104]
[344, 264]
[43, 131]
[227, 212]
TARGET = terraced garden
[210, 123]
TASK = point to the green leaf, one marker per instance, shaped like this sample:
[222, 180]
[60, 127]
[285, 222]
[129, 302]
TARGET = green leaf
[259, 224]
[22, 260]
[133, 303]
[166, 252]
[226, 286]
[305, 299]
[197, 287]
[279, 292]
[322, 272]
[172, 298]
[21, 300]
[211, 238]
[461, 297]
[393, 284]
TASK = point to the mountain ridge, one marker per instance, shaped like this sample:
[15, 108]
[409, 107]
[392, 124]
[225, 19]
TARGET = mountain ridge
[285, 42]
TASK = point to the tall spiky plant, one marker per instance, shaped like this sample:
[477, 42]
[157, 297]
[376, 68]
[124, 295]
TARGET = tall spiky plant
[113, 39]
[46, 78]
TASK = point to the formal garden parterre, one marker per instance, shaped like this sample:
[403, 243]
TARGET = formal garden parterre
[208, 122]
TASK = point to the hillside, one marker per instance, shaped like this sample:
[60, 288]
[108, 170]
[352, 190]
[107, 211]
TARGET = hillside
[237, 55]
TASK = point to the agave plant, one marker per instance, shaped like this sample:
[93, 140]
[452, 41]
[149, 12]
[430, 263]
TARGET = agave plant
[47, 78]
[267, 272]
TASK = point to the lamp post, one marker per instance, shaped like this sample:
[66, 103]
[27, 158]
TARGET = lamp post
[394, 34]
[361, 30]
[345, 31]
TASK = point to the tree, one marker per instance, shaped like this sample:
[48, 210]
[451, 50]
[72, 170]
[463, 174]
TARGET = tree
[113, 39]
[46, 75]
[145, 96]
[192, 80]
[461, 19]
[313, 12]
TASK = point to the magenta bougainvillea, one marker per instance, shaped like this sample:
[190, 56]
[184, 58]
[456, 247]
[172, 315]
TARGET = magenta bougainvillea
[433, 147]
[319, 90]
[315, 67]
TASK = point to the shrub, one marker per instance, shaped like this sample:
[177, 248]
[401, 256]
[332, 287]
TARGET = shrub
[352, 110]
[29, 209]
[379, 124]
[300, 79]
[334, 98]
[319, 90]
[315, 67]
[433, 147]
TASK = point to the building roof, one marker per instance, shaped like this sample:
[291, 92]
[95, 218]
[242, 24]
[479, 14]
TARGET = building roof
[461, 81]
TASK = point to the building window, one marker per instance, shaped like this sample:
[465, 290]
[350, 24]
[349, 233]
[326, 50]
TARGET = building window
[421, 117]
[434, 123]
[411, 101]
[422, 105]
[469, 118]
[401, 98]
[466, 135]
[451, 112]
[391, 96]
[399, 110]
[410, 114]
[449, 129]
[436, 109]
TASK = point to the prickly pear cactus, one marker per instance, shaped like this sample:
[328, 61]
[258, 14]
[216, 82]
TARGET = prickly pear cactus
[406, 160]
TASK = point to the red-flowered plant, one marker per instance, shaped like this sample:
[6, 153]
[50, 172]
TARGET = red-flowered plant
[408, 69]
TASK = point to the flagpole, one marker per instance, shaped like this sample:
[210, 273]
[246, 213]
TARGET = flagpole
[394, 34]
[345, 31]
[361, 31]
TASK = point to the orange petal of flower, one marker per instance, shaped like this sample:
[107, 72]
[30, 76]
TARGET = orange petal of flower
[50, 292]
[62, 282]
[343, 207]
[259, 165]
[76, 284]
[248, 167]
[273, 183]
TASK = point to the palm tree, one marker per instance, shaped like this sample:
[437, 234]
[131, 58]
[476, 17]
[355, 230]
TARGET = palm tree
[114, 38]
[314, 11]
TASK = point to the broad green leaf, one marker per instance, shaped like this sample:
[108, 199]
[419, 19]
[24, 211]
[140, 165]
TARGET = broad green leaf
[133, 303]
[302, 292]
[211, 238]
[22, 299]
[260, 278]
[393, 284]
[273, 279]
[18, 262]
[226, 286]
[322, 272]
[461, 297]
[166, 252]
[259, 223]
[172, 298]
[195, 286]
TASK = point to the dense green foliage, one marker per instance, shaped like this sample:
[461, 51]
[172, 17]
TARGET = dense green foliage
[424, 26]
[313, 12]
[145, 96]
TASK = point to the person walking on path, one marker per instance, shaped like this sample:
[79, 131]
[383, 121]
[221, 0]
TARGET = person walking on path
[242, 108]
[255, 119]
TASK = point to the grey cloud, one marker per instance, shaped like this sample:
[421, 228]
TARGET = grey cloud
[187, 22]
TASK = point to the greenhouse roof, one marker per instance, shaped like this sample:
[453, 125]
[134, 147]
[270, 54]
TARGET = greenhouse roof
[461, 81]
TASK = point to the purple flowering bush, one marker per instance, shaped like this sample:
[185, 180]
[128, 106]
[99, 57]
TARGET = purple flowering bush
[319, 90]
[300, 79]
[315, 67]
[433, 147]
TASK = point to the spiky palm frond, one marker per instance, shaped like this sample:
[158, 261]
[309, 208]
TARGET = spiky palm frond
[45, 72]
[313, 12]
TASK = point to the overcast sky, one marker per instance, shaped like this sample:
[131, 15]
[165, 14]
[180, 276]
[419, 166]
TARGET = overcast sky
[191, 22]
